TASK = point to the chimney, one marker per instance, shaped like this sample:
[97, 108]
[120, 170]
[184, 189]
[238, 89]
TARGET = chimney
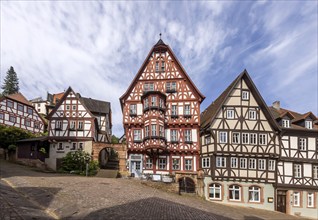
[276, 105]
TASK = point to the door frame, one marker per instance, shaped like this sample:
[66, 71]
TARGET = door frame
[133, 158]
[281, 193]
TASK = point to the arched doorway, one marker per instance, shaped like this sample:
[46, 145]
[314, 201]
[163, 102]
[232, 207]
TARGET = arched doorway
[108, 159]
[186, 184]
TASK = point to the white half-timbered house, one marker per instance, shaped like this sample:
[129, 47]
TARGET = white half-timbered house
[240, 147]
[17, 111]
[297, 180]
[161, 116]
[77, 123]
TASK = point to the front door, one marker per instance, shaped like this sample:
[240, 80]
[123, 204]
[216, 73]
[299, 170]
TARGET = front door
[136, 168]
[281, 201]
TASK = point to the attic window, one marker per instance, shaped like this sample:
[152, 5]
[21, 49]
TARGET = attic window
[286, 123]
[308, 124]
[157, 66]
[245, 95]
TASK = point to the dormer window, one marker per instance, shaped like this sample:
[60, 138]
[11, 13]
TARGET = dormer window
[245, 95]
[286, 123]
[308, 124]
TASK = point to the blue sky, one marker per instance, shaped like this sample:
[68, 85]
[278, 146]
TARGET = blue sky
[98, 47]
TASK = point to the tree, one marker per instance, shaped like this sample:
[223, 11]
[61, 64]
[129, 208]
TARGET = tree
[10, 135]
[11, 83]
[115, 140]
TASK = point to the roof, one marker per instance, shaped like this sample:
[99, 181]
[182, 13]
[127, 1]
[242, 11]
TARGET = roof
[42, 138]
[96, 106]
[160, 45]
[208, 115]
[19, 98]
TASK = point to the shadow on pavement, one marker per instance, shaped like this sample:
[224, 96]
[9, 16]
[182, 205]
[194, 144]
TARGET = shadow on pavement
[153, 208]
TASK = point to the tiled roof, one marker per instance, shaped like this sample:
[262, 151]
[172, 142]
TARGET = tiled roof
[96, 106]
[19, 98]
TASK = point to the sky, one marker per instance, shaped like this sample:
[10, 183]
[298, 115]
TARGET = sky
[98, 47]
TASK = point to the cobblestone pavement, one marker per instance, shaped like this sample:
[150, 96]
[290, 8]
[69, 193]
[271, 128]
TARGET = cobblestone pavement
[76, 197]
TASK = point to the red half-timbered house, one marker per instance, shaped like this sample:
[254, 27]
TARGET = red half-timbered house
[161, 116]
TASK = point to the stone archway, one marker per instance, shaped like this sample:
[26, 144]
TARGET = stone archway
[108, 159]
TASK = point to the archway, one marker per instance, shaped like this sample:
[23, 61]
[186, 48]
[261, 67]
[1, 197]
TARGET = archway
[186, 184]
[108, 159]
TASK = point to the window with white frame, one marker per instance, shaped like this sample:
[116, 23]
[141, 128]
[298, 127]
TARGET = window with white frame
[149, 163]
[60, 147]
[271, 165]
[12, 118]
[73, 146]
[315, 171]
[161, 103]
[68, 107]
[296, 198]
[72, 125]
[80, 125]
[261, 164]
[302, 144]
[187, 135]
[234, 162]
[235, 193]
[58, 125]
[245, 95]
[73, 107]
[171, 86]
[188, 164]
[220, 161]
[133, 109]
[207, 139]
[252, 114]
[162, 163]
[9, 104]
[162, 65]
[153, 100]
[206, 162]
[146, 103]
[20, 108]
[235, 138]
[245, 138]
[215, 191]
[153, 130]
[252, 163]
[297, 171]
[30, 111]
[254, 194]
[28, 123]
[253, 138]
[147, 131]
[174, 110]
[175, 163]
[157, 66]
[174, 135]
[230, 114]
[308, 124]
[286, 123]
[223, 136]
[161, 131]
[310, 199]
[187, 110]
[1, 116]
[148, 87]
[137, 135]
[243, 163]
[262, 139]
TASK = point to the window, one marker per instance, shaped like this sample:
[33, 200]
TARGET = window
[20, 107]
[12, 118]
[133, 109]
[1, 116]
[271, 165]
[236, 138]
[36, 125]
[153, 130]
[187, 110]
[252, 164]
[148, 87]
[72, 125]
[296, 197]
[254, 194]
[215, 191]
[206, 162]
[80, 125]
[230, 113]
[73, 146]
[207, 139]
[315, 171]
[308, 124]
[162, 163]
[162, 65]
[81, 145]
[74, 107]
[261, 164]
[262, 139]
[188, 164]
[161, 131]
[297, 170]
[220, 161]
[310, 199]
[67, 107]
[174, 136]
[157, 66]
[187, 135]
[286, 123]
[9, 104]
[175, 163]
[243, 163]
[253, 138]
[174, 111]
[245, 95]
[245, 138]
[60, 146]
[137, 135]
[234, 162]
[223, 136]
[171, 86]
[149, 163]
[252, 114]
[235, 193]
[58, 125]
[147, 131]
[161, 103]
[146, 103]
[153, 101]
[302, 144]
[28, 123]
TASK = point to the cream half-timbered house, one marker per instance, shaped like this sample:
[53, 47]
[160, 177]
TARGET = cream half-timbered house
[17, 111]
[240, 147]
[161, 116]
[297, 180]
[77, 123]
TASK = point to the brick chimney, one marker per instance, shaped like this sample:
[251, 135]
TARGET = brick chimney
[276, 105]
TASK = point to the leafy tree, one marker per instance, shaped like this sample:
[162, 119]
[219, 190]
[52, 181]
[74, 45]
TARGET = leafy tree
[115, 140]
[11, 83]
[10, 135]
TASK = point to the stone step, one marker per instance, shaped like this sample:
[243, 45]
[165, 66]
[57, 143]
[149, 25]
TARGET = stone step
[107, 173]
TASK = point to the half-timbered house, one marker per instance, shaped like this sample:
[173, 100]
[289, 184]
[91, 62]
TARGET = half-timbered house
[17, 111]
[240, 147]
[297, 180]
[161, 116]
[77, 123]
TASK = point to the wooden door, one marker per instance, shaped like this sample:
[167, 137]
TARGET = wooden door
[281, 201]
